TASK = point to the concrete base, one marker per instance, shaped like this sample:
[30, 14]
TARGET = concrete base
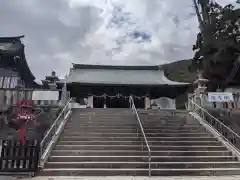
[136, 178]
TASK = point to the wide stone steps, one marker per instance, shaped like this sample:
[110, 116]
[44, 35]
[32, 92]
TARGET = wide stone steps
[108, 142]
[154, 128]
[125, 119]
[170, 158]
[182, 171]
[150, 134]
[140, 171]
[140, 164]
[137, 153]
[134, 130]
[139, 142]
[102, 138]
[140, 147]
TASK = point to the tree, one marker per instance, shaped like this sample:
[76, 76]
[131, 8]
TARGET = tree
[217, 46]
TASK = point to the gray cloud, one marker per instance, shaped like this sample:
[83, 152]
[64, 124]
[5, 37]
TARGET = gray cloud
[60, 32]
[51, 28]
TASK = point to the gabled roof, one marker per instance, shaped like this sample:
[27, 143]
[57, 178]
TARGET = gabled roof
[107, 67]
[11, 38]
[119, 75]
[13, 57]
[10, 44]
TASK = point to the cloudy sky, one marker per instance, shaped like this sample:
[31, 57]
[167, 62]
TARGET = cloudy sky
[122, 32]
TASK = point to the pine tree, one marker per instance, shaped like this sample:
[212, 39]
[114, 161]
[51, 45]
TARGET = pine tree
[217, 46]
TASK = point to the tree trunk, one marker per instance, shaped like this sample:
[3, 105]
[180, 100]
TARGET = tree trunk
[200, 20]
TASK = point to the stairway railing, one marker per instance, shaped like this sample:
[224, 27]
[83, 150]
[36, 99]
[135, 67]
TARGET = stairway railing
[53, 133]
[132, 105]
[225, 132]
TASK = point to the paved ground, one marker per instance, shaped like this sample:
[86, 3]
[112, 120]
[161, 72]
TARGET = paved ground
[134, 178]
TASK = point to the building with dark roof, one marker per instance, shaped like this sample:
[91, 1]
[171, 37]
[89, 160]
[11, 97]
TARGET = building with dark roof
[14, 69]
[103, 83]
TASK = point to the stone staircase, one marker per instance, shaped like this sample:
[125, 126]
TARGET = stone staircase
[181, 146]
[105, 142]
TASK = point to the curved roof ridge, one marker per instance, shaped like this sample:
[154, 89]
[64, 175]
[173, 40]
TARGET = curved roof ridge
[120, 75]
[11, 38]
[115, 67]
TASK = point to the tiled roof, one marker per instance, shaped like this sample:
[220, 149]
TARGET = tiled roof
[119, 75]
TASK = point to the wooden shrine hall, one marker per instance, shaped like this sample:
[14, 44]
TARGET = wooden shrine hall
[103, 86]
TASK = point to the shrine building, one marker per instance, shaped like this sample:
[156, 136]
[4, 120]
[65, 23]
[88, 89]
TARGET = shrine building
[106, 86]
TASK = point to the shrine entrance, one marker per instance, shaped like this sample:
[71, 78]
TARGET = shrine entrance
[108, 102]
[139, 102]
[117, 102]
[98, 102]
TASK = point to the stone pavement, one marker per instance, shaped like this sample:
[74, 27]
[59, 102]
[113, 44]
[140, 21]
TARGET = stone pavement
[135, 178]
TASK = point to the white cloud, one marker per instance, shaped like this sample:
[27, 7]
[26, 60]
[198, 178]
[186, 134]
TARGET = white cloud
[60, 32]
[226, 2]
[171, 31]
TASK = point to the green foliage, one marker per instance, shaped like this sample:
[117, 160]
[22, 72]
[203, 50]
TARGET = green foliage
[179, 71]
[217, 46]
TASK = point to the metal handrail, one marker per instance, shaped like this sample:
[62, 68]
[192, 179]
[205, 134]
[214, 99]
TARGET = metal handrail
[227, 133]
[53, 129]
[132, 105]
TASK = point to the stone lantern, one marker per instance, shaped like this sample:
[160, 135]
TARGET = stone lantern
[201, 85]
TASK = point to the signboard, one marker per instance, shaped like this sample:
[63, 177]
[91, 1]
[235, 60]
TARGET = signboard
[220, 97]
[45, 95]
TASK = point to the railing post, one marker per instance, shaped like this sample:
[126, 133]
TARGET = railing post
[149, 163]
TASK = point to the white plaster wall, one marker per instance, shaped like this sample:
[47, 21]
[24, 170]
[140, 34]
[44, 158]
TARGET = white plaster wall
[147, 103]
[90, 101]
[9, 82]
[164, 103]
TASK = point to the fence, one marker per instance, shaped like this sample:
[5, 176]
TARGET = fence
[10, 97]
[53, 133]
[221, 105]
[19, 158]
[225, 132]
